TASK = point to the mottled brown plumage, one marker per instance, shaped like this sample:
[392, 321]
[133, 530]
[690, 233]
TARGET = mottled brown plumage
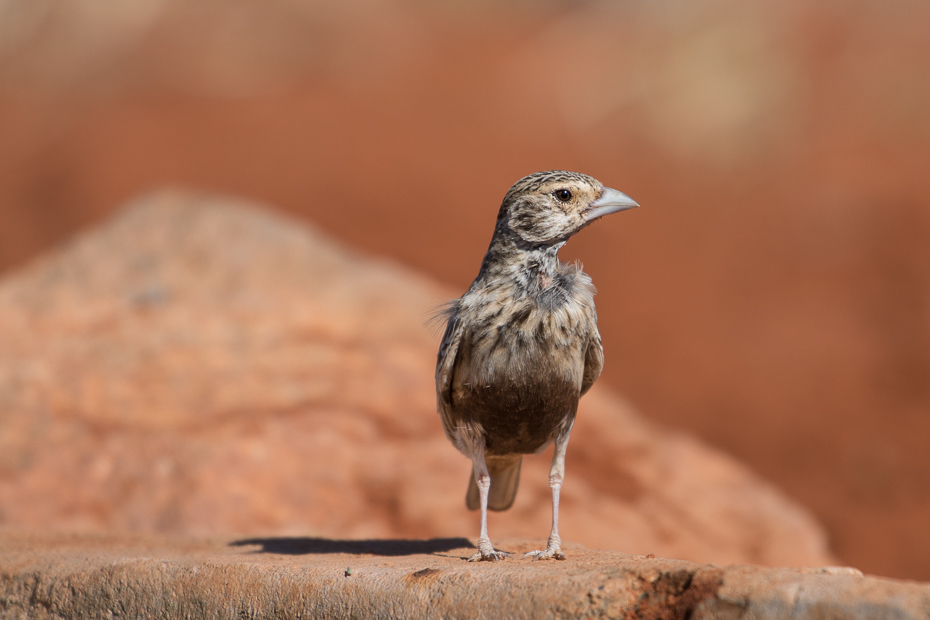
[521, 345]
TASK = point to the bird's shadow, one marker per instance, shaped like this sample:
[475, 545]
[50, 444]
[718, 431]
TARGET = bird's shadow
[383, 547]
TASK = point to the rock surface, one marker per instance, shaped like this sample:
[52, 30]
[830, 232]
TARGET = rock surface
[198, 366]
[153, 577]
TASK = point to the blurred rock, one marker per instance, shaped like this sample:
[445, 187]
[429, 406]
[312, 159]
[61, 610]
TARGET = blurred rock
[199, 366]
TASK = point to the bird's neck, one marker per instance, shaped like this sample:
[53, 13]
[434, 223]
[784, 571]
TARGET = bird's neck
[529, 266]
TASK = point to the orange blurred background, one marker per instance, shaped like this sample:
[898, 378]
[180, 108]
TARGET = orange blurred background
[772, 296]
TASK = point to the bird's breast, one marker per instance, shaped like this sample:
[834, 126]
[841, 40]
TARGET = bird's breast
[520, 372]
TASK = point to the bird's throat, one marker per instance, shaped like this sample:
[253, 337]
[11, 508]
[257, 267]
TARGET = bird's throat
[530, 268]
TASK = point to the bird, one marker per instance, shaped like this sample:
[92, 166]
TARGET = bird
[521, 346]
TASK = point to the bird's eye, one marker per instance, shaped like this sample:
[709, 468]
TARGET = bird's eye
[563, 194]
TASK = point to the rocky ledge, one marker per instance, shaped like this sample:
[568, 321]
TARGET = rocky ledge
[45, 576]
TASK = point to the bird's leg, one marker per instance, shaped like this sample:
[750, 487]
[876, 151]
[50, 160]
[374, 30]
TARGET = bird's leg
[553, 549]
[486, 551]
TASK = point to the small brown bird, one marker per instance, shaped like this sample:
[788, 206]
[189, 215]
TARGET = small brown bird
[521, 346]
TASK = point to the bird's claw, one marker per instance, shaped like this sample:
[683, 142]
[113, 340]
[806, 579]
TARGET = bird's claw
[548, 554]
[489, 556]
[493, 556]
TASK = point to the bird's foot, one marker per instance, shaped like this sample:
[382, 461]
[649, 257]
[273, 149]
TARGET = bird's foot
[550, 553]
[487, 553]
[492, 556]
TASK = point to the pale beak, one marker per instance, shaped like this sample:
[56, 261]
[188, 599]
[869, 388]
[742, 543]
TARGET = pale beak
[610, 201]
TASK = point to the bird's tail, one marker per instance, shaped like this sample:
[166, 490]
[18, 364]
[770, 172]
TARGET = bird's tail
[505, 480]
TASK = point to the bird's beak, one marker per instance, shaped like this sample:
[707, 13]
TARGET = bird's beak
[610, 201]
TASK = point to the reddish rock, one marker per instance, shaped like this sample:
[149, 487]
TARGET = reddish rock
[171, 577]
[199, 366]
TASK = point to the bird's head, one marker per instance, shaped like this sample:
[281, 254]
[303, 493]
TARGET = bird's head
[546, 208]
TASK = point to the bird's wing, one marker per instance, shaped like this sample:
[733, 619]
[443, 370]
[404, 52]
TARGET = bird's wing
[593, 361]
[445, 364]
